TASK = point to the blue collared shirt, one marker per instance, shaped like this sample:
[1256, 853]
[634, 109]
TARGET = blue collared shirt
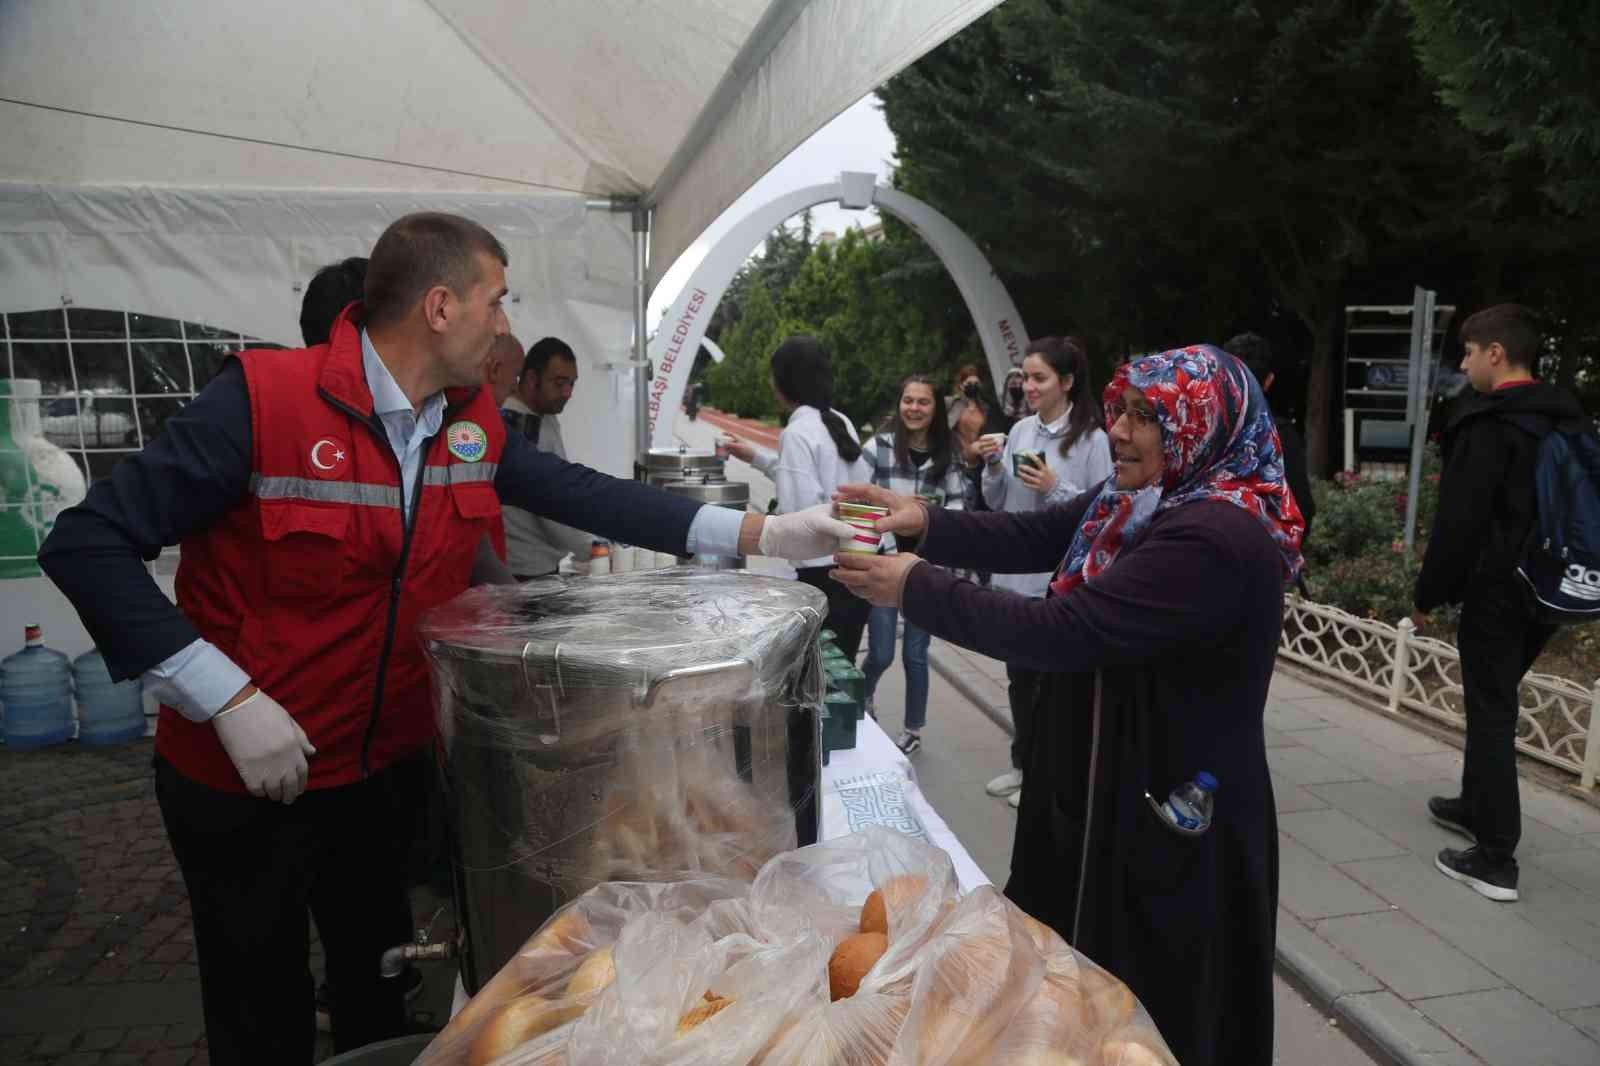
[407, 431]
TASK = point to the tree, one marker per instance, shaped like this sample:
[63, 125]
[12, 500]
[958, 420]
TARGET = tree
[1152, 173]
[1527, 77]
[841, 295]
[739, 383]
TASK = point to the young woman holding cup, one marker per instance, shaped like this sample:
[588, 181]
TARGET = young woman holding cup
[917, 457]
[1049, 457]
[817, 452]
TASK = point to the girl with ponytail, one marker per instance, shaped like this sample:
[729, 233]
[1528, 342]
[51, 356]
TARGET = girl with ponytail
[817, 452]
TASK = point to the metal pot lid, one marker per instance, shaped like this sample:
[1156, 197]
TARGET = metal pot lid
[680, 458]
[621, 628]
[718, 491]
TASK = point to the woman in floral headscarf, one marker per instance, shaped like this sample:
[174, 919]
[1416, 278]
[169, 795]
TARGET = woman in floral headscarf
[1160, 631]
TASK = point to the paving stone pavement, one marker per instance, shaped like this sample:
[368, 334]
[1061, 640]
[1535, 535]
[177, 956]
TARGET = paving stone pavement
[1430, 972]
[97, 963]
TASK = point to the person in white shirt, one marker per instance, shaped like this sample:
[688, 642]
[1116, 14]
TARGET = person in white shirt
[817, 452]
[1065, 428]
[535, 546]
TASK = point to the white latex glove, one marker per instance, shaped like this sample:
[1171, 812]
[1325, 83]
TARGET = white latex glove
[267, 746]
[807, 534]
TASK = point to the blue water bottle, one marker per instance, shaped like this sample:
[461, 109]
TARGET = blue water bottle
[109, 712]
[1190, 805]
[36, 689]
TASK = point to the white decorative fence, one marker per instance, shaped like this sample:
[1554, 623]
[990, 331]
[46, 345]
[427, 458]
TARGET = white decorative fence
[1559, 722]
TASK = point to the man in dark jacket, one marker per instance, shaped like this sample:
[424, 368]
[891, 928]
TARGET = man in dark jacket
[324, 499]
[1486, 512]
[1254, 352]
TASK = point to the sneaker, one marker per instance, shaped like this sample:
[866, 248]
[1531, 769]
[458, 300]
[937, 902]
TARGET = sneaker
[1497, 881]
[1452, 814]
[1006, 784]
[909, 743]
[1015, 799]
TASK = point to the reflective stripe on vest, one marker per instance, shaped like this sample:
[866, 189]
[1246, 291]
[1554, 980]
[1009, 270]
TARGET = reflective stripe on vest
[362, 493]
[459, 473]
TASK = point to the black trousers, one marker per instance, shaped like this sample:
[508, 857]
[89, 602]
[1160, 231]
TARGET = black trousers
[1022, 690]
[847, 612]
[1498, 643]
[255, 869]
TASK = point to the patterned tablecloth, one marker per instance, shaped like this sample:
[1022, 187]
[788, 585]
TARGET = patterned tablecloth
[874, 784]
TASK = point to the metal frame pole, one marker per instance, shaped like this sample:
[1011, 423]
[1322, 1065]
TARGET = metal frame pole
[641, 332]
[1419, 402]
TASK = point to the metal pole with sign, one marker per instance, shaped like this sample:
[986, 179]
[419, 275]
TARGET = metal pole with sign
[1419, 398]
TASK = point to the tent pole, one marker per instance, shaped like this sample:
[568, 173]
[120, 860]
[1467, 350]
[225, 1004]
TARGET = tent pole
[641, 340]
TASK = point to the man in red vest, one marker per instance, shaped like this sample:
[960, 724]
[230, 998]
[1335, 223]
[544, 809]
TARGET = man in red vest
[324, 499]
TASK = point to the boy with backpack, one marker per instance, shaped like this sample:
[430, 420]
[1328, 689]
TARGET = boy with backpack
[1488, 508]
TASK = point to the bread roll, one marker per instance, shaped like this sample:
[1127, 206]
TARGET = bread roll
[569, 931]
[874, 914]
[515, 1024]
[702, 1011]
[851, 960]
[1134, 1050]
[594, 975]
[1107, 1002]
[904, 891]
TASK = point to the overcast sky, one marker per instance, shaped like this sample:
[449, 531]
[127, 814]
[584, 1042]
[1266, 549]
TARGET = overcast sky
[857, 140]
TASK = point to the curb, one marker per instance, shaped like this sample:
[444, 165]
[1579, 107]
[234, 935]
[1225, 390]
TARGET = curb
[999, 716]
[1328, 992]
[1334, 998]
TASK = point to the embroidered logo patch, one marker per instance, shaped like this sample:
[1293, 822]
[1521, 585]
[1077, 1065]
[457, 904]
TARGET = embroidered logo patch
[466, 441]
[327, 456]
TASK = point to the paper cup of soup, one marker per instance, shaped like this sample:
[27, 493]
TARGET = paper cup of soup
[870, 511]
[1023, 457]
[864, 536]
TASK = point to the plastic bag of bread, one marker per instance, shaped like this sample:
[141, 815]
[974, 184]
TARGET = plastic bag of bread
[531, 1003]
[874, 881]
[1079, 1016]
[712, 990]
[973, 976]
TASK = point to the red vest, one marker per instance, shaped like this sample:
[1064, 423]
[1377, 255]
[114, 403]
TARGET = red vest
[309, 583]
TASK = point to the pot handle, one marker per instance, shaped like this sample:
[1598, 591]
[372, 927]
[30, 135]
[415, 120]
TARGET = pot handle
[694, 673]
[545, 699]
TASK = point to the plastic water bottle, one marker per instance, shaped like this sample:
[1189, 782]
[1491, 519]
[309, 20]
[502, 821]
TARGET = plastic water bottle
[109, 712]
[1190, 805]
[36, 688]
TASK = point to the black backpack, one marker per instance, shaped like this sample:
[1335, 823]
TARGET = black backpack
[1560, 565]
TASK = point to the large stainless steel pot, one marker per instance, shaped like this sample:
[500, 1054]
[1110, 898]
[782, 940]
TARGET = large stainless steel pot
[718, 492]
[658, 465]
[642, 726]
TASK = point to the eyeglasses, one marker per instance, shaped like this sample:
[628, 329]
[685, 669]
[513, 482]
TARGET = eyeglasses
[1137, 415]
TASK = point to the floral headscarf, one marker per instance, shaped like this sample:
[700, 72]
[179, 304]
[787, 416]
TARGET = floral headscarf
[1218, 441]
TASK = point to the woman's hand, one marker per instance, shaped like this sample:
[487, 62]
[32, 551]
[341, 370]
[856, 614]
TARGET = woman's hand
[1040, 479]
[906, 515]
[738, 448]
[990, 445]
[878, 579]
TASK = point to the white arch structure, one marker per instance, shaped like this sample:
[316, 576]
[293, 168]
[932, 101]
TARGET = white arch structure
[682, 331]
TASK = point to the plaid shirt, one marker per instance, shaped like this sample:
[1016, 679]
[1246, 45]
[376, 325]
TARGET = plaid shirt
[903, 479]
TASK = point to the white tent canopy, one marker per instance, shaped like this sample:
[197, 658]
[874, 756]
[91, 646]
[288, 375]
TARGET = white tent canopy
[680, 106]
[192, 162]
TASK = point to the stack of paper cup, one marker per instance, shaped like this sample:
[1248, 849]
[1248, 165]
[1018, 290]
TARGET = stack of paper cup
[863, 518]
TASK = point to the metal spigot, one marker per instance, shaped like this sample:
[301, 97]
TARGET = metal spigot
[393, 961]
